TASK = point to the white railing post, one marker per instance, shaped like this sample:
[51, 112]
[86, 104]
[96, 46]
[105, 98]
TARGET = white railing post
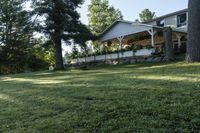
[179, 40]
[120, 43]
[152, 33]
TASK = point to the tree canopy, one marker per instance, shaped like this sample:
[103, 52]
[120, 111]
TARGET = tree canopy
[61, 23]
[146, 15]
[101, 15]
[58, 20]
[15, 34]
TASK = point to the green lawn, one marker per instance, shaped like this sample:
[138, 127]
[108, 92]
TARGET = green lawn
[163, 97]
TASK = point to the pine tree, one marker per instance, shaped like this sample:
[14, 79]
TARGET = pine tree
[61, 23]
[15, 33]
[101, 16]
[146, 15]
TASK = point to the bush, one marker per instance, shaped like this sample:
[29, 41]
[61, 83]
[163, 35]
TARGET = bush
[35, 64]
[11, 68]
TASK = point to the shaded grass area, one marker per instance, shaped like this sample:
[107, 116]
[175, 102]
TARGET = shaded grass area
[162, 97]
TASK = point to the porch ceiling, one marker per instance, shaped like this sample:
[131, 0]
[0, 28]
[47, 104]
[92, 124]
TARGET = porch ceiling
[127, 28]
[123, 28]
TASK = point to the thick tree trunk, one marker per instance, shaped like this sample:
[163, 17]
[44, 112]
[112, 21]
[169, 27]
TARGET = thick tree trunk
[193, 44]
[169, 51]
[58, 54]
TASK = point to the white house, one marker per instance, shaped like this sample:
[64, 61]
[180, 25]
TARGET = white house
[176, 20]
[149, 33]
[122, 31]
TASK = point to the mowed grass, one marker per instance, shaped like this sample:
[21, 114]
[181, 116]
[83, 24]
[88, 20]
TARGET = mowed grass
[162, 97]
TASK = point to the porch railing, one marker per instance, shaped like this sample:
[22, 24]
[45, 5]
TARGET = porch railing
[114, 56]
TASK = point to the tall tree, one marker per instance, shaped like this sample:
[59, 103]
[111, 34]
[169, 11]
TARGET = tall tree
[146, 15]
[15, 32]
[101, 15]
[169, 51]
[61, 23]
[193, 45]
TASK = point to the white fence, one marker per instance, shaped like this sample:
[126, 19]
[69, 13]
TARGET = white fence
[113, 56]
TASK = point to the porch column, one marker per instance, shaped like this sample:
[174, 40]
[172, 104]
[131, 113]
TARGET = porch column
[120, 43]
[179, 40]
[105, 51]
[152, 33]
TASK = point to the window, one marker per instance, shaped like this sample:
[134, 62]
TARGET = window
[182, 20]
[160, 23]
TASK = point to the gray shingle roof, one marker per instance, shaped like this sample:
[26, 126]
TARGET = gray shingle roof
[167, 15]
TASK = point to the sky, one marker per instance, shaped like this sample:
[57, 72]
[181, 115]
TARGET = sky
[131, 8]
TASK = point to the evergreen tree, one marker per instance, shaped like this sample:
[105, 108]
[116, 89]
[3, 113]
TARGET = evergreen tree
[15, 33]
[146, 15]
[101, 16]
[193, 45]
[74, 52]
[83, 35]
[61, 23]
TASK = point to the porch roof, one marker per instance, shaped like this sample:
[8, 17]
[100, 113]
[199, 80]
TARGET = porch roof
[124, 28]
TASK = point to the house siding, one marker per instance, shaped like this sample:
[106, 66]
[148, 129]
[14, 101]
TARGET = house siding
[171, 21]
[121, 29]
[152, 23]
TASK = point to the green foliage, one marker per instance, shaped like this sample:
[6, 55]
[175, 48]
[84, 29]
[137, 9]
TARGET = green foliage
[49, 57]
[101, 15]
[15, 36]
[75, 52]
[146, 98]
[61, 23]
[83, 36]
[146, 15]
[41, 57]
[20, 51]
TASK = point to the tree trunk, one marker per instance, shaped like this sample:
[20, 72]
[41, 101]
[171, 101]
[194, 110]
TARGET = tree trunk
[169, 51]
[193, 44]
[58, 54]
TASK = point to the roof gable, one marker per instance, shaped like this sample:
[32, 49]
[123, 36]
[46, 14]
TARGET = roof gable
[122, 28]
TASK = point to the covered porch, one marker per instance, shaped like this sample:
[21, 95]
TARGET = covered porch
[134, 42]
[125, 34]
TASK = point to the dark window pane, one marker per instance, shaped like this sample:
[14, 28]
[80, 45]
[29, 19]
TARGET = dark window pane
[181, 20]
[160, 23]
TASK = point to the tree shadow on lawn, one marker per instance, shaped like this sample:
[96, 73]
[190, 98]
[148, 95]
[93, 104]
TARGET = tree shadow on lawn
[168, 68]
[136, 65]
[144, 68]
[107, 101]
[148, 103]
[102, 76]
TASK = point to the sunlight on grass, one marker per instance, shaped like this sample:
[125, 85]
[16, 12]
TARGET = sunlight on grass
[40, 74]
[146, 97]
[153, 67]
[10, 99]
[6, 98]
[169, 78]
[33, 81]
